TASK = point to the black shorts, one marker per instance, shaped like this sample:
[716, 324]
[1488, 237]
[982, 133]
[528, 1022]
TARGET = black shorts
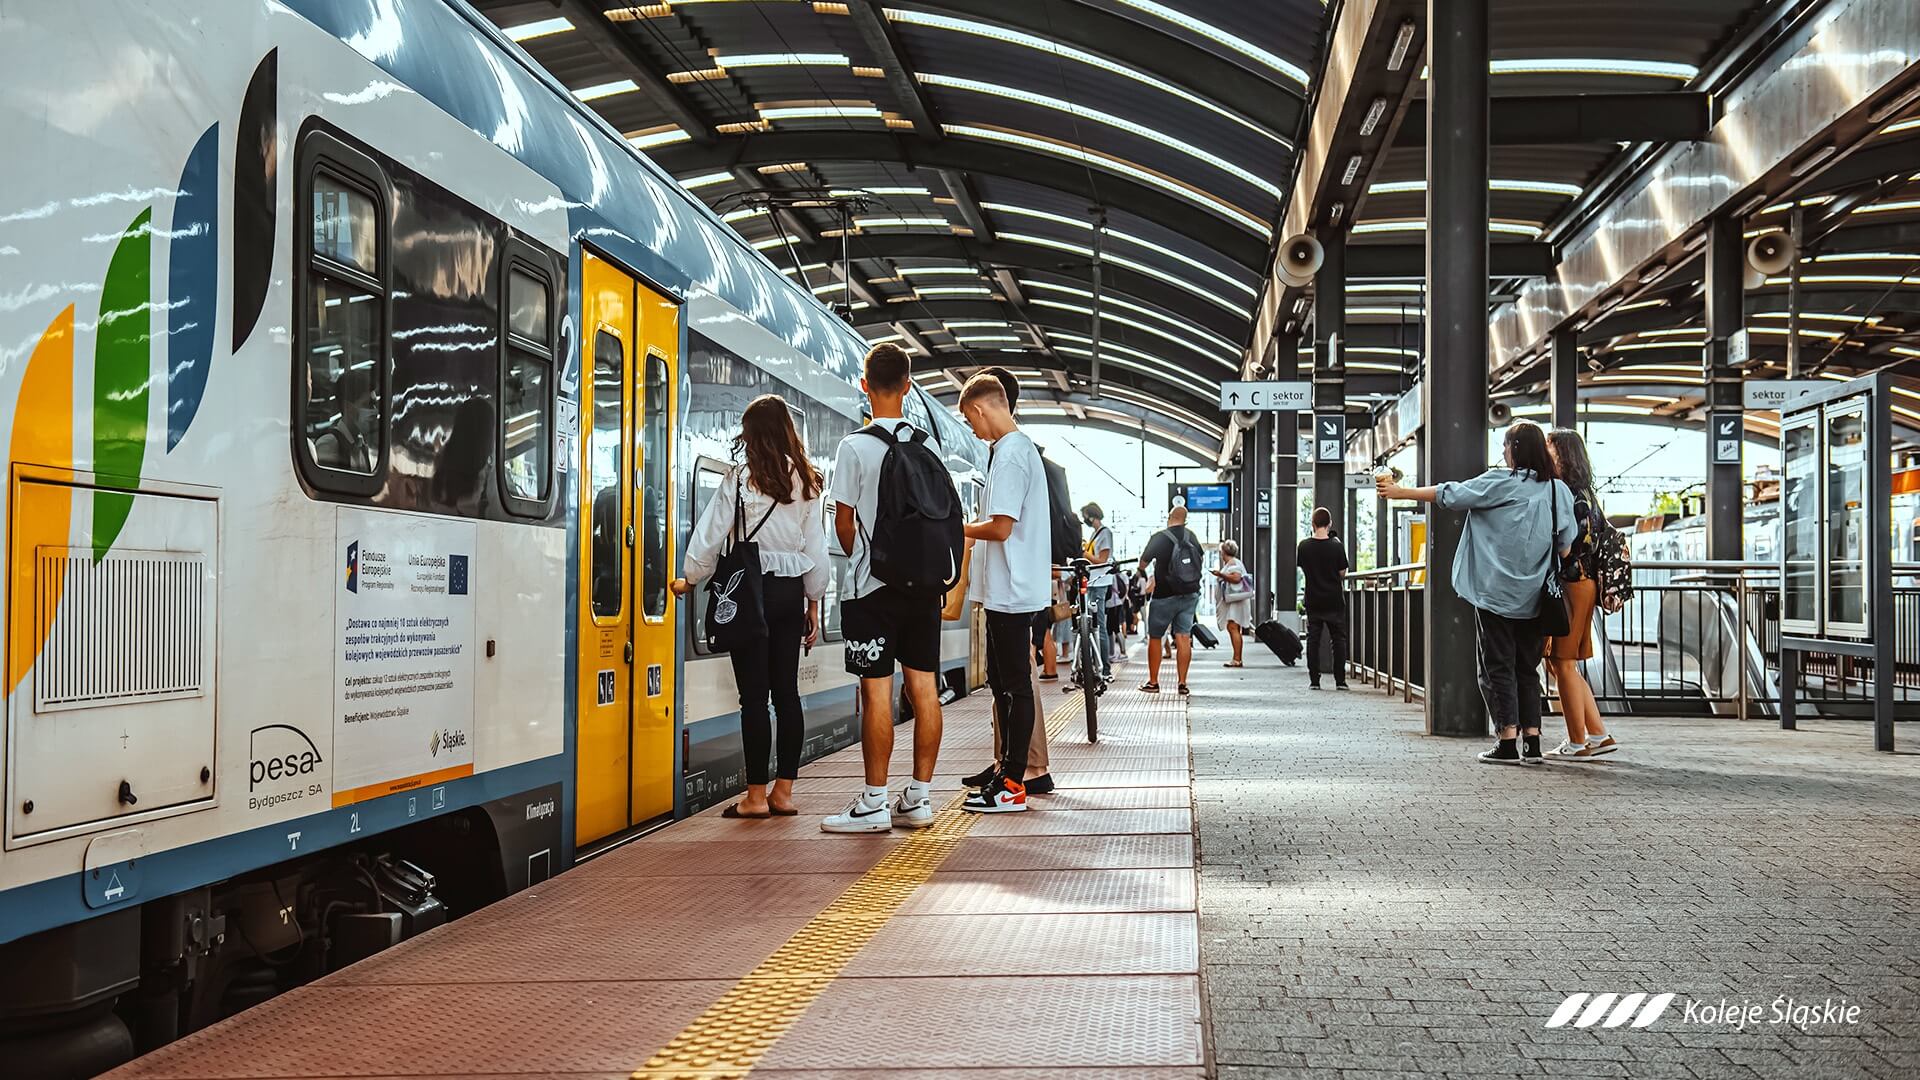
[891, 625]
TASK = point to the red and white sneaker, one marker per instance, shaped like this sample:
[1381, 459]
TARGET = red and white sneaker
[1002, 796]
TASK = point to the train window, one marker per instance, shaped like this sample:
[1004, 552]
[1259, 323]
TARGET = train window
[345, 225]
[526, 441]
[653, 450]
[340, 377]
[603, 464]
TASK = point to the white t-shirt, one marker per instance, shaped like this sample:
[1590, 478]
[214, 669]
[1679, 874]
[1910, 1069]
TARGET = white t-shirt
[1102, 539]
[856, 483]
[1015, 574]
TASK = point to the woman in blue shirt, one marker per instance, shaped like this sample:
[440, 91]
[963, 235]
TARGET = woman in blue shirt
[1517, 517]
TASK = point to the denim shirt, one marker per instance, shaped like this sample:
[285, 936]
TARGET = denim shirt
[1503, 557]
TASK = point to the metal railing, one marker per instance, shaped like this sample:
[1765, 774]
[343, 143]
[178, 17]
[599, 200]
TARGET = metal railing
[1697, 637]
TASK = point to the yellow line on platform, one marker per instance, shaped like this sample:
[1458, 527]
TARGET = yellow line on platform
[727, 1040]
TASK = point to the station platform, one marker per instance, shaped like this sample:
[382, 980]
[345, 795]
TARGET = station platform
[1057, 942]
[1324, 892]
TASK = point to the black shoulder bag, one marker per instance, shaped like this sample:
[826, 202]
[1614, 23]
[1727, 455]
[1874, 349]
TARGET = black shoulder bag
[1554, 619]
[736, 611]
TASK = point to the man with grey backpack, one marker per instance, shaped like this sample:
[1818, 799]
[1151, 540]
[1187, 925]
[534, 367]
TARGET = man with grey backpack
[1177, 568]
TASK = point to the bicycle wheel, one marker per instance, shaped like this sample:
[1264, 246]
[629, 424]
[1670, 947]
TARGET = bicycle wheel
[1087, 663]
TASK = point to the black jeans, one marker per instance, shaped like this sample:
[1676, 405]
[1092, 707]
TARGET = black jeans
[1010, 677]
[1319, 628]
[773, 671]
[1510, 651]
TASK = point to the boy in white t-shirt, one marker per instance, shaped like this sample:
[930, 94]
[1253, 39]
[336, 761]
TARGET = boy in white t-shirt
[1012, 576]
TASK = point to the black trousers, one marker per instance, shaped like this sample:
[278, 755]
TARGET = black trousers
[1510, 651]
[1010, 677]
[773, 671]
[1320, 627]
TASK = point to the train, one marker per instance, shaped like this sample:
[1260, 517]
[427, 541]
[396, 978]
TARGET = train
[359, 388]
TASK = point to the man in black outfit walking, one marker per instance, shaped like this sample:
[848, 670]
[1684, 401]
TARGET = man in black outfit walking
[1322, 559]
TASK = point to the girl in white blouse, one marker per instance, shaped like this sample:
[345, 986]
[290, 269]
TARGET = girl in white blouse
[778, 484]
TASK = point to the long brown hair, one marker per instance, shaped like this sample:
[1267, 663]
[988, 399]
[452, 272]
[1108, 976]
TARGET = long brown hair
[774, 451]
[1527, 444]
[1570, 458]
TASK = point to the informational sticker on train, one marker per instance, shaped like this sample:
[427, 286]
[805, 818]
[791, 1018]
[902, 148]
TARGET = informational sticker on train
[404, 653]
[606, 688]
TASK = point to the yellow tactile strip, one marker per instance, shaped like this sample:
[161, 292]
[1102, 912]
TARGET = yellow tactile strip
[728, 1039]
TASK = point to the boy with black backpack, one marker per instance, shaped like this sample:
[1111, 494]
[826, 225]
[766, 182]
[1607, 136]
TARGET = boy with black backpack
[897, 516]
[1177, 563]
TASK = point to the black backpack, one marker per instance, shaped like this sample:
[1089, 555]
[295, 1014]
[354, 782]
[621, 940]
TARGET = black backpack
[1182, 567]
[914, 541]
[1066, 523]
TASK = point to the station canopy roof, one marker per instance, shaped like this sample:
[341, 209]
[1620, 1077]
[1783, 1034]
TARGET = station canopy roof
[973, 144]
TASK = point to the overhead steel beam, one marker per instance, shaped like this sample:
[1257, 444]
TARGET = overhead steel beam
[1560, 119]
[589, 19]
[964, 201]
[1504, 260]
[1276, 103]
[976, 156]
[1040, 260]
[1360, 69]
[870, 19]
[1127, 377]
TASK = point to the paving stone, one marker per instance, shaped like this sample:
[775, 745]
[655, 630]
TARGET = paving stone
[1373, 899]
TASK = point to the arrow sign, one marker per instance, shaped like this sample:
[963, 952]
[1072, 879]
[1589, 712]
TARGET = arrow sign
[1330, 441]
[1266, 396]
[1727, 429]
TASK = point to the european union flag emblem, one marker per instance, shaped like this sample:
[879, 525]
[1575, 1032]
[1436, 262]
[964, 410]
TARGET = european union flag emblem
[353, 567]
[456, 575]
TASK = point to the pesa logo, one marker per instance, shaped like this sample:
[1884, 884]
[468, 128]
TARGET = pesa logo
[279, 752]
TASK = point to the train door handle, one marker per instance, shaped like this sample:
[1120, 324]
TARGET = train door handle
[127, 798]
[629, 536]
[629, 652]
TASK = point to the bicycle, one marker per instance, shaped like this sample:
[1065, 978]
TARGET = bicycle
[1086, 655]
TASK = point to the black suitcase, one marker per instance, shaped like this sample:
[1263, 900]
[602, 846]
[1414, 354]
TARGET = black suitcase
[1284, 642]
[1204, 634]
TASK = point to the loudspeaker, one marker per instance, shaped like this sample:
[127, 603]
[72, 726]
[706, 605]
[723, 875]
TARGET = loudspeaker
[1771, 253]
[1499, 414]
[1300, 259]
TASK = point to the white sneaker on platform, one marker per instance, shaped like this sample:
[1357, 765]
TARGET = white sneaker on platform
[859, 817]
[912, 815]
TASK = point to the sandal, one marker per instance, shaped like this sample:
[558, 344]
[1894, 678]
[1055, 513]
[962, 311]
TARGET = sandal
[1233, 663]
[1150, 688]
[777, 812]
[734, 811]
[1183, 690]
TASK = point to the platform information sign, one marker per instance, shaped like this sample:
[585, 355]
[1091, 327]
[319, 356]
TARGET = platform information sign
[1266, 396]
[1774, 394]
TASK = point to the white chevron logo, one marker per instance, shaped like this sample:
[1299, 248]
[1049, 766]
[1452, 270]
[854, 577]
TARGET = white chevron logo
[1609, 1010]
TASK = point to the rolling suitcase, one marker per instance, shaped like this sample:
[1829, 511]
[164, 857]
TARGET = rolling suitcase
[1204, 634]
[1284, 642]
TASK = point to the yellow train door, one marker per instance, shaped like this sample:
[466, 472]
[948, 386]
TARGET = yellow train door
[624, 739]
[656, 379]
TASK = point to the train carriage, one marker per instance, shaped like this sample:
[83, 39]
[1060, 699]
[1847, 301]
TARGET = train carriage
[359, 388]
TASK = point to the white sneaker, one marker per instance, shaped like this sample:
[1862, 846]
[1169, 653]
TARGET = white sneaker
[858, 817]
[915, 815]
[1603, 745]
[1568, 750]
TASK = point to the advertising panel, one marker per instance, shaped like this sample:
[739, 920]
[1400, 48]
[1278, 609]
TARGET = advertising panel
[404, 646]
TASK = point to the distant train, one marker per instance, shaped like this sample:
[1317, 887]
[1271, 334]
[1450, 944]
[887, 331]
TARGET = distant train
[359, 388]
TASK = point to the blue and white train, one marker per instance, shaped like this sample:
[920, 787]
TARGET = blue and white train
[358, 388]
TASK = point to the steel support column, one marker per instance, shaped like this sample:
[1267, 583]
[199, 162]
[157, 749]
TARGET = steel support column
[1261, 555]
[1286, 506]
[1725, 292]
[1329, 374]
[1455, 398]
[1564, 388]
